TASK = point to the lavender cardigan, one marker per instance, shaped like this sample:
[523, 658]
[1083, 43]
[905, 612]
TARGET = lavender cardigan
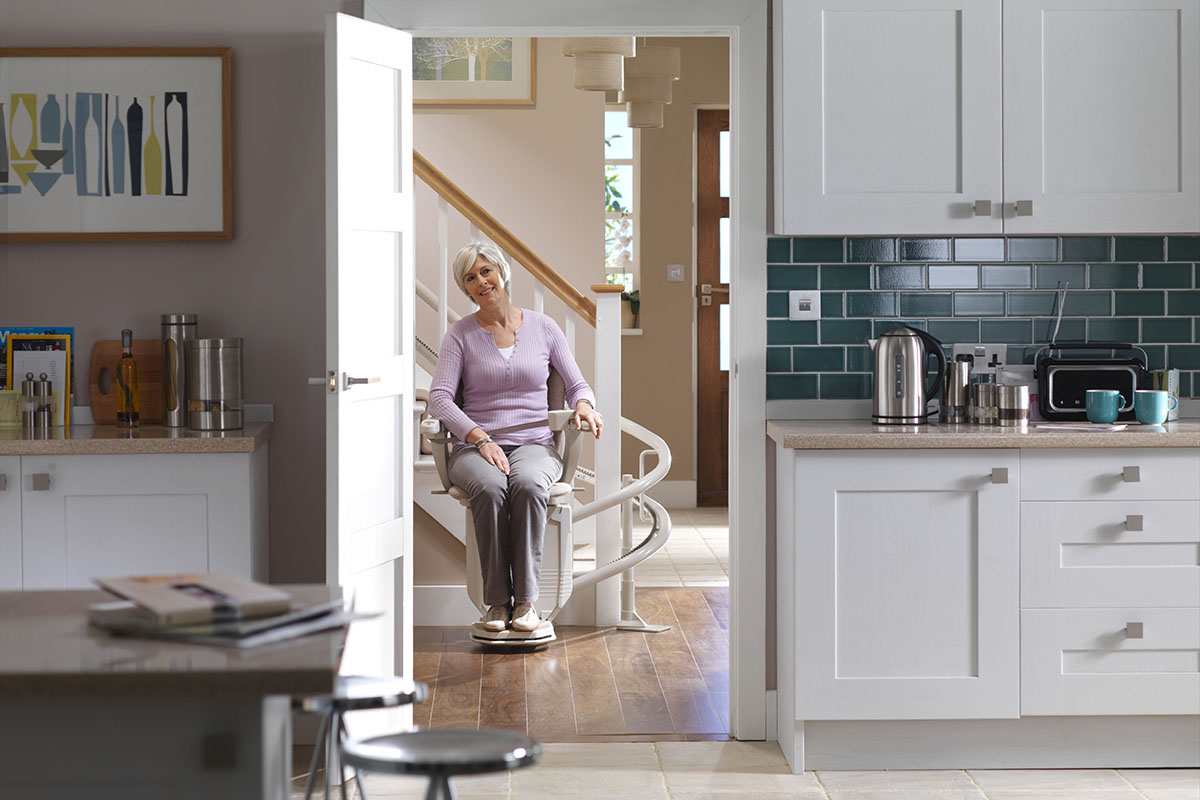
[500, 392]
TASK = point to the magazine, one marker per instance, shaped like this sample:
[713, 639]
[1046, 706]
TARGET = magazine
[194, 599]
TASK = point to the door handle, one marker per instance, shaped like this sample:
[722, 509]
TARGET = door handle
[1023, 208]
[329, 382]
[1000, 475]
[708, 288]
[983, 208]
[1131, 474]
[1134, 522]
[41, 481]
[3, 482]
[357, 381]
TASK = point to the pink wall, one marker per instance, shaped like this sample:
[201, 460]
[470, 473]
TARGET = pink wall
[268, 284]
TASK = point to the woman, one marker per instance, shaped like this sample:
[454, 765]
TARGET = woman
[502, 356]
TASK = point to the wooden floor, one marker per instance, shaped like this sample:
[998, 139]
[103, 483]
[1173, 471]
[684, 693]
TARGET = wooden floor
[593, 684]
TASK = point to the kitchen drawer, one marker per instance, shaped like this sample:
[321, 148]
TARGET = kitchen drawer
[1120, 554]
[1085, 662]
[1111, 474]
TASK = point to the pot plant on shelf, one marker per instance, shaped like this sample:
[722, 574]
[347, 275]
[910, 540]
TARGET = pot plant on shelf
[630, 305]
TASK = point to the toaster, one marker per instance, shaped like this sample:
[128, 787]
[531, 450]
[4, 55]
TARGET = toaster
[1063, 379]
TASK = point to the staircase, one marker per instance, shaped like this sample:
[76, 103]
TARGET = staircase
[605, 551]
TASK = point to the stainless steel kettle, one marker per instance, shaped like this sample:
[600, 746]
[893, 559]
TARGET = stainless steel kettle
[900, 389]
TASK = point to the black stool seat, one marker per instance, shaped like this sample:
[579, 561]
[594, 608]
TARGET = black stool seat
[443, 752]
[356, 692]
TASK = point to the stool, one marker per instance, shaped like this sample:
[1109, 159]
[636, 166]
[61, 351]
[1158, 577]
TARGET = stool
[442, 754]
[351, 693]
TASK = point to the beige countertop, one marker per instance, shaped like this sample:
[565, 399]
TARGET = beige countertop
[865, 435]
[48, 650]
[146, 439]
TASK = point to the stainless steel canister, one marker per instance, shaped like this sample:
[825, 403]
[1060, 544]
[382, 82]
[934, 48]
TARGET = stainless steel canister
[29, 402]
[43, 402]
[1013, 405]
[214, 381]
[983, 403]
[177, 329]
[955, 395]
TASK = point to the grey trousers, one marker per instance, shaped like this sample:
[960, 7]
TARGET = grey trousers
[509, 512]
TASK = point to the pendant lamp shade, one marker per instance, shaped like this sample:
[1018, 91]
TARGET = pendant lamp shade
[648, 79]
[599, 61]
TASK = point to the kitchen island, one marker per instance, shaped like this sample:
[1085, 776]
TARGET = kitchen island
[964, 596]
[99, 500]
[91, 715]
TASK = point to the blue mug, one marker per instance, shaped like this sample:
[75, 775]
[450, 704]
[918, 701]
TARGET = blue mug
[1152, 407]
[1103, 405]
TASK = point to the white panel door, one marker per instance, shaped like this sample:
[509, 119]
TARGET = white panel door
[888, 116]
[10, 523]
[1102, 115]
[906, 585]
[369, 296]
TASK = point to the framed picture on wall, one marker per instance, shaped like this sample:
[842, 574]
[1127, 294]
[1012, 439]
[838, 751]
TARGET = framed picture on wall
[115, 144]
[475, 70]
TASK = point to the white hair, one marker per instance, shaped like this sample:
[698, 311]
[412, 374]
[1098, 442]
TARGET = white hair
[466, 259]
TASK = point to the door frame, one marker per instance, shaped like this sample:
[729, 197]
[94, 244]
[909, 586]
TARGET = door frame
[744, 23]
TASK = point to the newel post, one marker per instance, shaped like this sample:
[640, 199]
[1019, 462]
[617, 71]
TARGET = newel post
[608, 449]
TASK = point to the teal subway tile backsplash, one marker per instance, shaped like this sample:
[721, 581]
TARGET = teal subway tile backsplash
[1140, 289]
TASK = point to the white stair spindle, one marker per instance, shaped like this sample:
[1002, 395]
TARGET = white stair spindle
[539, 297]
[446, 266]
[571, 332]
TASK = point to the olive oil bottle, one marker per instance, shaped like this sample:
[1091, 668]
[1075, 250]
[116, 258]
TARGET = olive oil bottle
[127, 383]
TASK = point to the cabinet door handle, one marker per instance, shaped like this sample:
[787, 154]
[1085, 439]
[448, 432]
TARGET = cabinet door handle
[1131, 474]
[3, 482]
[1134, 522]
[1000, 475]
[1134, 630]
[41, 481]
[1024, 208]
[983, 208]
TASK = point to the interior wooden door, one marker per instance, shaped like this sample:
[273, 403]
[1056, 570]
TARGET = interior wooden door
[712, 313]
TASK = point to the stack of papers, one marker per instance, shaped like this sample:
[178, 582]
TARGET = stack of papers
[1081, 426]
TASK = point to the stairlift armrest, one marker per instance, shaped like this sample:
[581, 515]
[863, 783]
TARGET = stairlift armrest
[560, 419]
[572, 447]
[430, 427]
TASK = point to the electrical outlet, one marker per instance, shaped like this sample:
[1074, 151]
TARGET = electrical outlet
[989, 358]
[804, 304]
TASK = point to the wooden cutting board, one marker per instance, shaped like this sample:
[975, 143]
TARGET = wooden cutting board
[105, 355]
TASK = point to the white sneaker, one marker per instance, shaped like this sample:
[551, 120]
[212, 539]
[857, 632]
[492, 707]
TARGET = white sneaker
[525, 618]
[496, 619]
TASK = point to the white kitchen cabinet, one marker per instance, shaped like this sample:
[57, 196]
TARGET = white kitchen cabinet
[86, 516]
[1092, 662]
[887, 116]
[907, 118]
[10, 522]
[906, 585]
[1102, 115]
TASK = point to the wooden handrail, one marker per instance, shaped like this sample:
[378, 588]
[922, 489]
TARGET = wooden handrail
[503, 237]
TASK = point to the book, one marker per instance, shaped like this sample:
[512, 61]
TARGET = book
[195, 599]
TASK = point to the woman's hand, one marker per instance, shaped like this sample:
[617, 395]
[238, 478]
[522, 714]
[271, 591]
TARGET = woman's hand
[494, 455]
[585, 413]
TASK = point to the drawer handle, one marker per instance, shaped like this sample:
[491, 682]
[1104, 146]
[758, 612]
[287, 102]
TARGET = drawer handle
[1134, 630]
[982, 208]
[1132, 474]
[1134, 522]
[1000, 475]
[3, 482]
[41, 481]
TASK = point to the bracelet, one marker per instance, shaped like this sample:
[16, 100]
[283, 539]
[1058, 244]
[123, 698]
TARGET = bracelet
[482, 442]
[589, 402]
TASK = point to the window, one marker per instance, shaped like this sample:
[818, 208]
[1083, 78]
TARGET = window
[620, 197]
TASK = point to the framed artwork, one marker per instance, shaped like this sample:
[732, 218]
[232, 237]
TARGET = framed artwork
[115, 144]
[475, 70]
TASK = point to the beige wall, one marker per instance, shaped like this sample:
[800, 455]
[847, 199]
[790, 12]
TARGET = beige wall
[540, 172]
[658, 366]
[267, 284]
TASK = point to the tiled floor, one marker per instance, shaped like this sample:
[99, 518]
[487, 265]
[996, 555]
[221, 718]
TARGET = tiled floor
[757, 771]
[593, 683]
[696, 553]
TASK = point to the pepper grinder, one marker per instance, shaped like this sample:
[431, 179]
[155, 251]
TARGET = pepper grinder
[29, 402]
[43, 401]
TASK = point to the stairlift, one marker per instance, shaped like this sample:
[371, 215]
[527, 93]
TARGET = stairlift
[557, 578]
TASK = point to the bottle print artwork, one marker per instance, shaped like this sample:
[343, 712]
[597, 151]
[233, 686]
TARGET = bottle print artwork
[118, 149]
[133, 121]
[51, 124]
[23, 127]
[153, 158]
[68, 138]
[3, 147]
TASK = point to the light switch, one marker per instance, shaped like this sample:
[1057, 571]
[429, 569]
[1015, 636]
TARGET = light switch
[675, 273]
[804, 304]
